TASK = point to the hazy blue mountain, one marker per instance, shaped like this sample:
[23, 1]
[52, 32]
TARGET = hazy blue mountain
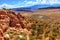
[35, 7]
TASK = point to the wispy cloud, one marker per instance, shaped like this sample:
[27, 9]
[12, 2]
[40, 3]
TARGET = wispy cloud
[50, 2]
[32, 2]
[4, 5]
[29, 3]
[20, 4]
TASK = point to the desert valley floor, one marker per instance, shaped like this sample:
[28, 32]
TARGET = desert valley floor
[42, 24]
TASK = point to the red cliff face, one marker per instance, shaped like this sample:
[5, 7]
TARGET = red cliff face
[4, 20]
[10, 19]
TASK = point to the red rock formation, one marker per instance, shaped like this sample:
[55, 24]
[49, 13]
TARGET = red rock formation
[2, 13]
[4, 20]
[21, 18]
[13, 19]
[10, 19]
[1, 35]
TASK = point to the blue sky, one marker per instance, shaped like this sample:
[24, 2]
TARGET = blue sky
[25, 3]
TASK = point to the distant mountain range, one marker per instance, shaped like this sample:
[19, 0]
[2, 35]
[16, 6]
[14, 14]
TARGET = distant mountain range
[36, 7]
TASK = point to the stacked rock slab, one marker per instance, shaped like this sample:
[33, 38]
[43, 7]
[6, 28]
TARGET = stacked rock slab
[4, 23]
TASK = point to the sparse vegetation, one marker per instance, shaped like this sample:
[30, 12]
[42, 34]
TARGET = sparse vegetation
[35, 27]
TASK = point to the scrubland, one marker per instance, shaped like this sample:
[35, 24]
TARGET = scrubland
[41, 24]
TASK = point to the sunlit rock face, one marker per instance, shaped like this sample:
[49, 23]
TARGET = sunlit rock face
[4, 20]
[17, 25]
[4, 23]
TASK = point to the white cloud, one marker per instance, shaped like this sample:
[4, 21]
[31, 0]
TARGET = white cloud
[52, 2]
[30, 3]
[9, 6]
[48, 1]
[43, 1]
